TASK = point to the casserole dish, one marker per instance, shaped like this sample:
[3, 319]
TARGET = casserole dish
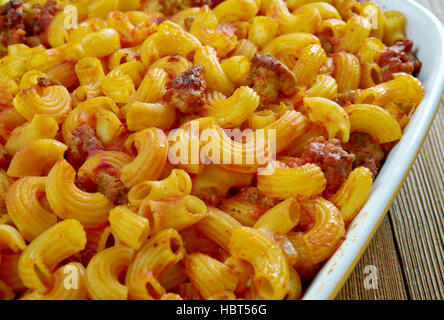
[427, 33]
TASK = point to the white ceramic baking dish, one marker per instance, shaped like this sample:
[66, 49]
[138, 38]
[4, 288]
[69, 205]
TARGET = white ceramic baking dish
[428, 35]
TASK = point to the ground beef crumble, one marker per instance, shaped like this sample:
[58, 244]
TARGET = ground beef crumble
[335, 162]
[186, 92]
[19, 25]
[85, 143]
[399, 58]
[109, 184]
[368, 153]
[268, 77]
[106, 180]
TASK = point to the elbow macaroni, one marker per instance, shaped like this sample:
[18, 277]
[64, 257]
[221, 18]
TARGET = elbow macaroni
[110, 191]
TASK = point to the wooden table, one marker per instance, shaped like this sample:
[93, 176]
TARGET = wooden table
[408, 249]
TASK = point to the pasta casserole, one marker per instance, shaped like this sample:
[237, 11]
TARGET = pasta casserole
[167, 149]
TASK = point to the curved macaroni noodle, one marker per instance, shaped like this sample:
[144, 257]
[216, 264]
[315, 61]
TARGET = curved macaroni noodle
[175, 150]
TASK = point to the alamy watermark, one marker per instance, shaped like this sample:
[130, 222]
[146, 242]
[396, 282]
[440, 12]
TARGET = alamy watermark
[371, 277]
[71, 17]
[71, 279]
[249, 148]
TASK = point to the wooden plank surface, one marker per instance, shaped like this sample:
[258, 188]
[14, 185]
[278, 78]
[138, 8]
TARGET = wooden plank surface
[382, 254]
[408, 249]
